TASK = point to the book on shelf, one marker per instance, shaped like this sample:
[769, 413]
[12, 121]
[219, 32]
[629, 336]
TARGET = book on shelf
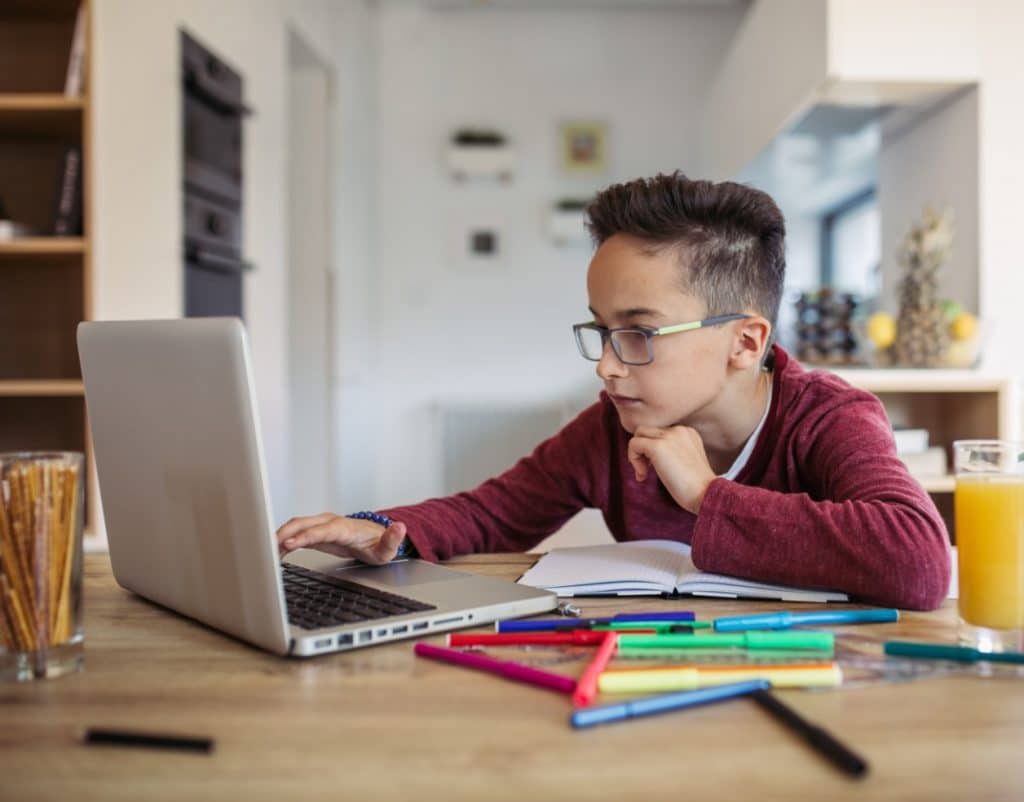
[910, 441]
[650, 568]
[74, 80]
[930, 462]
[68, 214]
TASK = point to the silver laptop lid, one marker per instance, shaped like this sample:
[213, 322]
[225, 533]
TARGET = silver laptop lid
[180, 466]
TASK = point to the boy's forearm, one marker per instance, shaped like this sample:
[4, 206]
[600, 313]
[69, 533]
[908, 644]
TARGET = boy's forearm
[488, 519]
[890, 549]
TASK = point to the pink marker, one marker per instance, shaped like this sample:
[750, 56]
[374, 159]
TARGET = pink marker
[507, 669]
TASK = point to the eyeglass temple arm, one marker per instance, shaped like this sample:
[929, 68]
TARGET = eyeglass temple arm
[699, 324]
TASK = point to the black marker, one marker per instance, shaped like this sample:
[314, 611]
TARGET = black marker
[817, 737]
[102, 737]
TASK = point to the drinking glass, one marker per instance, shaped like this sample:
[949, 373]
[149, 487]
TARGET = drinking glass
[989, 512]
[41, 500]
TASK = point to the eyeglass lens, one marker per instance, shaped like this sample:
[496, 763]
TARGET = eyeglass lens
[629, 346]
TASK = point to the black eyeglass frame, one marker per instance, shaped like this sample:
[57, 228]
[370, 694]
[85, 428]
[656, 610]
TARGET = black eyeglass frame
[608, 335]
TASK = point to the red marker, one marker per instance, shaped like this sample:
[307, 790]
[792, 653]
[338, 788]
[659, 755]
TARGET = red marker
[586, 686]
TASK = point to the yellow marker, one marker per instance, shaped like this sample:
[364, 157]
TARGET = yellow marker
[685, 678]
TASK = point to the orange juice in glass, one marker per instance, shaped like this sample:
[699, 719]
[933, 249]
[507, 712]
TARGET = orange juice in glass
[989, 504]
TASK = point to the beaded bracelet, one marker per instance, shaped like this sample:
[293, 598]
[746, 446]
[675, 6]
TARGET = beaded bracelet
[376, 517]
[405, 548]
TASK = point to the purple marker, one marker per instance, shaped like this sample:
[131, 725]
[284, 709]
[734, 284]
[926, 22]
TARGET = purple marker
[543, 625]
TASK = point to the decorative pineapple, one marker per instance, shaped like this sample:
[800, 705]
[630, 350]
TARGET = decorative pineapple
[922, 328]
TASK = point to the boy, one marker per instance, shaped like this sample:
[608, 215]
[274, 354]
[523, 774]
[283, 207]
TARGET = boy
[706, 432]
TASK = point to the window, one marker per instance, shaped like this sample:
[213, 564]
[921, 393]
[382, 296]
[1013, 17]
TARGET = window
[851, 247]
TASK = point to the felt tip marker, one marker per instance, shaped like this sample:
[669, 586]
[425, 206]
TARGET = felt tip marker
[663, 703]
[785, 619]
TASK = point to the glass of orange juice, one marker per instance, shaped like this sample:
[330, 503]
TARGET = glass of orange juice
[989, 507]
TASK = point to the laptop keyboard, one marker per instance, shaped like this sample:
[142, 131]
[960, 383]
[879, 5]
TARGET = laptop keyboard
[318, 600]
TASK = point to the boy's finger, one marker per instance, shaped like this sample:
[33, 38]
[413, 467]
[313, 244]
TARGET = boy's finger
[295, 525]
[638, 461]
[320, 533]
[386, 548]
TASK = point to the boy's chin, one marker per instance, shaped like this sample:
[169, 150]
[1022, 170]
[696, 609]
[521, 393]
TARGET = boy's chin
[631, 421]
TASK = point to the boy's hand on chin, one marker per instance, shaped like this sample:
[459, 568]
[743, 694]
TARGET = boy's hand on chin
[678, 457]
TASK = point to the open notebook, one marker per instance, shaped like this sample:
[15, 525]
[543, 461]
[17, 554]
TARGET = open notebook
[649, 567]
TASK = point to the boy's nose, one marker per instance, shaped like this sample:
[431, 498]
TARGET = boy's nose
[610, 365]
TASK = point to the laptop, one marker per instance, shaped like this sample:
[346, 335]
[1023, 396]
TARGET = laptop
[189, 525]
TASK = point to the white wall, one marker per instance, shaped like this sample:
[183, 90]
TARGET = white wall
[903, 40]
[310, 138]
[934, 162]
[1001, 180]
[769, 76]
[138, 170]
[445, 332]
[354, 394]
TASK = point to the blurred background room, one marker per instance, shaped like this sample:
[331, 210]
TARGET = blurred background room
[390, 193]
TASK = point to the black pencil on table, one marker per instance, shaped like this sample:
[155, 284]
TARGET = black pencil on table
[816, 736]
[189, 743]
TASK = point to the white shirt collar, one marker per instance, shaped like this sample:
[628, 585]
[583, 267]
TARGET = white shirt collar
[748, 447]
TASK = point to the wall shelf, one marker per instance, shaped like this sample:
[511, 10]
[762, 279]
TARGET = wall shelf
[46, 280]
[938, 484]
[950, 405]
[41, 387]
[42, 246]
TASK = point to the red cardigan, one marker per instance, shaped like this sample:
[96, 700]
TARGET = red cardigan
[822, 502]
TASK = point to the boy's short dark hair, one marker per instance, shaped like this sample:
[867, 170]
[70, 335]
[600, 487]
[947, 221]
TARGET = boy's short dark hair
[734, 236]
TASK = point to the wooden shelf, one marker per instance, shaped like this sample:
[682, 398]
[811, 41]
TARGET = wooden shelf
[32, 9]
[45, 281]
[40, 387]
[42, 246]
[906, 380]
[39, 102]
[41, 117]
[937, 484]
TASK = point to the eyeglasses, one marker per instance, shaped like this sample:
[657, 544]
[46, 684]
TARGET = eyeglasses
[632, 345]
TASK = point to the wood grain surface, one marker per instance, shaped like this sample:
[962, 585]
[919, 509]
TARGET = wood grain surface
[379, 723]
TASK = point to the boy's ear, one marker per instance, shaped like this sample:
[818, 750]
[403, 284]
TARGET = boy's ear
[750, 341]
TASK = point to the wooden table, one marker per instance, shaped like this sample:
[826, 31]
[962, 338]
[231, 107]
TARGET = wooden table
[379, 723]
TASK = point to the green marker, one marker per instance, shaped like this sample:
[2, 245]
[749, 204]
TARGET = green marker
[942, 651]
[661, 627]
[744, 640]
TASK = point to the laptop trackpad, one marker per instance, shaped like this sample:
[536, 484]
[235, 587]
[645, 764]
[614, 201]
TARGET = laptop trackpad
[397, 574]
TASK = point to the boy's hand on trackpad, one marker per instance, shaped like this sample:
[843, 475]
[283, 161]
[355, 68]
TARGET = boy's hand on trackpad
[343, 537]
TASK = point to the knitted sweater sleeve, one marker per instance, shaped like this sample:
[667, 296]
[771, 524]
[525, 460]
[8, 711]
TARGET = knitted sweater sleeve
[864, 526]
[519, 508]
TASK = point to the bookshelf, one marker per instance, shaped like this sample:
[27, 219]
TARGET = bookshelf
[45, 280]
[951, 405]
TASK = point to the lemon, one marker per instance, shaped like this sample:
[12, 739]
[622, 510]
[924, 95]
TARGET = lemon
[881, 329]
[963, 327]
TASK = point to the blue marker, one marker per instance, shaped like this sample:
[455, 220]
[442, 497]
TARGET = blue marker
[785, 620]
[663, 703]
[585, 623]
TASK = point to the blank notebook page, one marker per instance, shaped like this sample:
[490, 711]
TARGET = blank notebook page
[650, 566]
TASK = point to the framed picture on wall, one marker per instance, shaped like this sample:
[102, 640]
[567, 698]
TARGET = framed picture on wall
[584, 147]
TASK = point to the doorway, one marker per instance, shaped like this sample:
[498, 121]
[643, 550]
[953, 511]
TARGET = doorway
[310, 315]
